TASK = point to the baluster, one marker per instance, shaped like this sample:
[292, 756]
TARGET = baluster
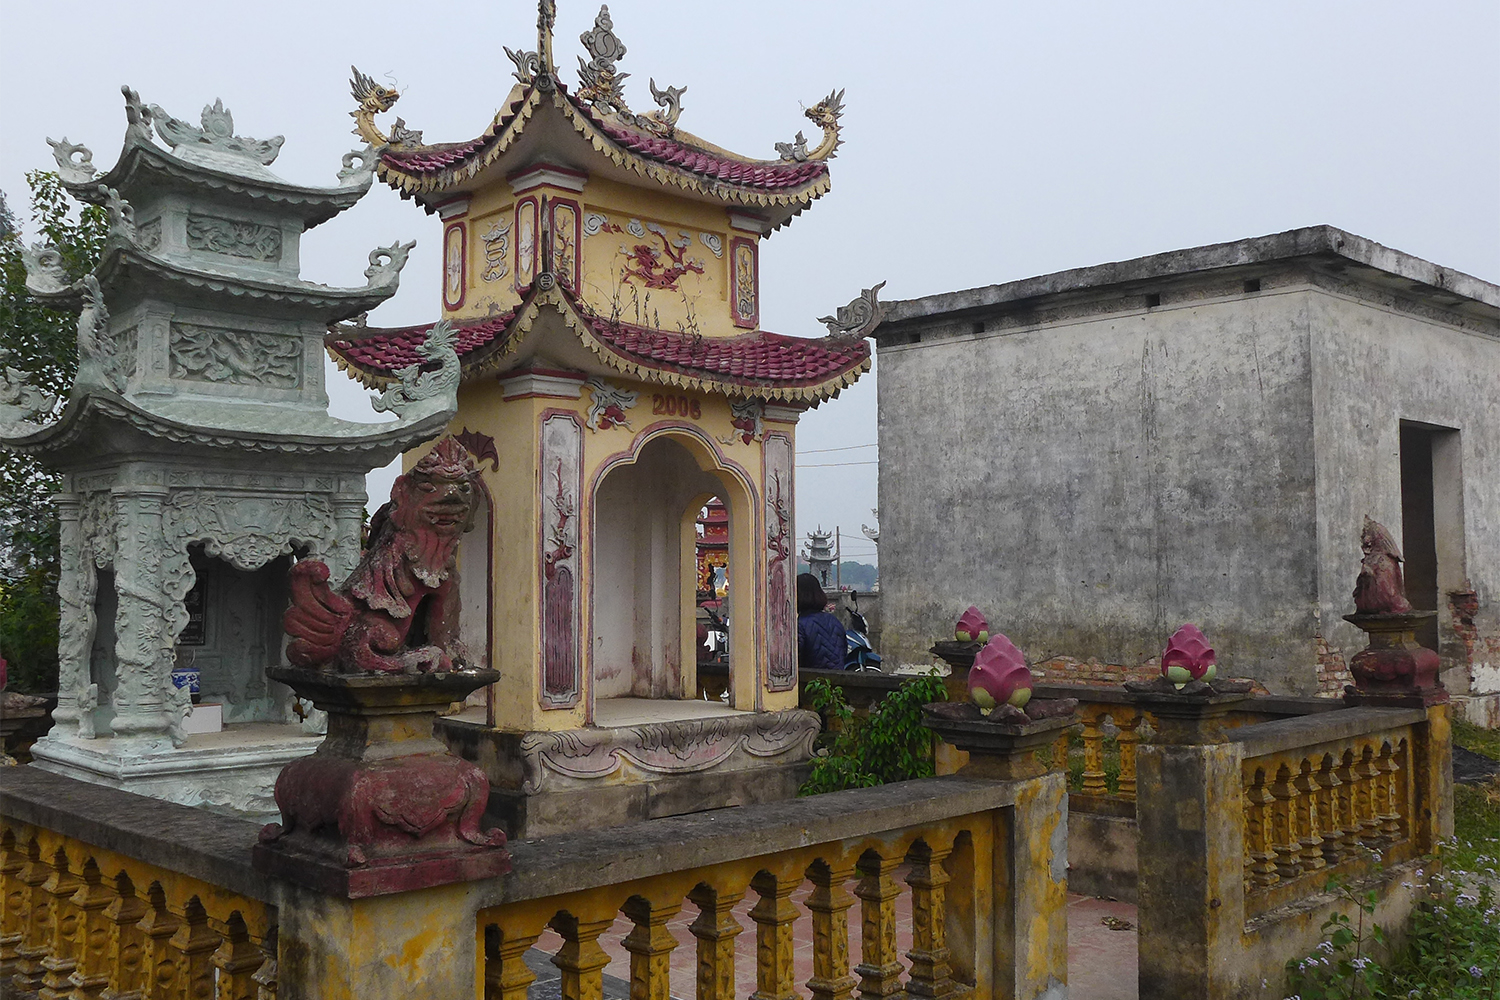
[12, 900]
[581, 959]
[159, 959]
[1093, 752]
[931, 976]
[236, 960]
[1369, 804]
[775, 938]
[1348, 845]
[506, 974]
[36, 931]
[1306, 785]
[269, 972]
[1283, 826]
[715, 928]
[195, 942]
[1060, 752]
[829, 902]
[1390, 814]
[879, 970]
[1260, 826]
[62, 931]
[1129, 739]
[126, 941]
[91, 901]
[650, 944]
[1328, 811]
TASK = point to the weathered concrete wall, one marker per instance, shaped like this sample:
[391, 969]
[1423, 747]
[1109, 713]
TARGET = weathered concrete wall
[1089, 476]
[1378, 361]
[1096, 456]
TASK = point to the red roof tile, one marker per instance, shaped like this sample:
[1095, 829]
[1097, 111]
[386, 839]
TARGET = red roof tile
[765, 175]
[749, 359]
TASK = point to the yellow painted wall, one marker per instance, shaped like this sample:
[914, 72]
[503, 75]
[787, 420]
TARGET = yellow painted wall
[616, 277]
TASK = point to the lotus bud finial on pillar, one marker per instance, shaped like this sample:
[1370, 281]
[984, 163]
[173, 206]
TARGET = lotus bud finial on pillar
[1188, 657]
[999, 676]
[972, 627]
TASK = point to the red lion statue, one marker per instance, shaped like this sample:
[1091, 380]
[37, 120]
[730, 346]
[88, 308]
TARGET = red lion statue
[398, 611]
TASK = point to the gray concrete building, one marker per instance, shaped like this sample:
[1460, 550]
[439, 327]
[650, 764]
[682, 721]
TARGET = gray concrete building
[1096, 456]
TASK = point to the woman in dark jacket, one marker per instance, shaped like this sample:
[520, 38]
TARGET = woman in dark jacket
[821, 642]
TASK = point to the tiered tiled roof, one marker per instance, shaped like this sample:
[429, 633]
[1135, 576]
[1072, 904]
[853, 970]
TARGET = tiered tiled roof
[679, 160]
[763, 364]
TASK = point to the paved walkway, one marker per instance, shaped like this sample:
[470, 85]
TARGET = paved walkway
[1101, 961]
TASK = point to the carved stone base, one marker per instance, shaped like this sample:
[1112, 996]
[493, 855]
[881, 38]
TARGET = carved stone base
[233, 771]
[382, 806]
[580, 779]
[1394, 669]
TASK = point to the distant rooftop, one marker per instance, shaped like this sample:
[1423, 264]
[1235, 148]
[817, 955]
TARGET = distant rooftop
[1325, 247]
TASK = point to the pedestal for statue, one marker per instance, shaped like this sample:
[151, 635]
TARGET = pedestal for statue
[382, 806]
[1394, 669]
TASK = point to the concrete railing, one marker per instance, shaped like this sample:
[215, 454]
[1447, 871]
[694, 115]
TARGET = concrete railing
[106, 893]
[1239, 830]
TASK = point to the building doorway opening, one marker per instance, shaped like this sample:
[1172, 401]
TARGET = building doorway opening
[1432, 539]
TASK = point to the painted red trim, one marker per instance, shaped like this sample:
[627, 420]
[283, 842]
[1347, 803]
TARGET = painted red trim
[580, 625]
[463, 263]
[577, 275]
[536, 241]
[753, 321]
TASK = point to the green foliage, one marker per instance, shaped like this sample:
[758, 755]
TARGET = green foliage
[41, 343]
[1451, 949]
[890, 744]
[1341, 967]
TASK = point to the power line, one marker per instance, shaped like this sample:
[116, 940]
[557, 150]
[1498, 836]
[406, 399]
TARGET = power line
[836, 465]
[851, 447]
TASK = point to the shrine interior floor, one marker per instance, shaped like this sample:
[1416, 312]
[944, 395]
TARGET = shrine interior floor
[1101, 961]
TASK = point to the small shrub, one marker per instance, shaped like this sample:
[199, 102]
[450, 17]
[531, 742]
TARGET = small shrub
[890, 744]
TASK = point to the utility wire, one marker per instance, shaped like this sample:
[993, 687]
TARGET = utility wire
[836, 465]
[819, 451]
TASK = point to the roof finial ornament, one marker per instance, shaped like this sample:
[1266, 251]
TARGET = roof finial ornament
[670, 101]
[546, 19]
[860, 317]
[602, 86]
[374, 99]
[825, 114]
[215, 132]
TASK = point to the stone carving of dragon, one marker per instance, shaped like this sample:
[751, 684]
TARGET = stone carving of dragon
[374, 99]
[413, 385]
[398, 611]
[825, 114]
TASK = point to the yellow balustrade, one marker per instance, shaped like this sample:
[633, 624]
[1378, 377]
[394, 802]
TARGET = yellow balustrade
[1328, 809]
[82, 922]
[808, 888]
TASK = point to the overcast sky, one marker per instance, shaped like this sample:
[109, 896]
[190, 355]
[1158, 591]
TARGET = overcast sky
[984, 141]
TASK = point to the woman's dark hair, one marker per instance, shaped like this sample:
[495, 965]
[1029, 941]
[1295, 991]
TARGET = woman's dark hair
[810, 596]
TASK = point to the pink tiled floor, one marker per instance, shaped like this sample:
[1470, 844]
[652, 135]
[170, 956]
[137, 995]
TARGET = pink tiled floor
[1101, 962]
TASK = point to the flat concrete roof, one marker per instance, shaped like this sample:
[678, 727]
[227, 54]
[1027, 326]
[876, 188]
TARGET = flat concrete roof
[1324, 246]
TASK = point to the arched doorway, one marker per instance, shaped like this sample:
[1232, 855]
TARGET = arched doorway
[643, 636]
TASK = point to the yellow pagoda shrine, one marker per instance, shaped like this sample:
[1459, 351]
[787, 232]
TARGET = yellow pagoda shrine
[601, 279]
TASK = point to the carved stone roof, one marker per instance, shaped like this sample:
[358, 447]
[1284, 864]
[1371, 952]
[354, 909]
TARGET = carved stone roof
[101, 422]
[767, 365]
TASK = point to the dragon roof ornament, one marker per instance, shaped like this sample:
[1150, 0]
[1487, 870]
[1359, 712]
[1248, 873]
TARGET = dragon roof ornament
[216, 133]
[409, 165]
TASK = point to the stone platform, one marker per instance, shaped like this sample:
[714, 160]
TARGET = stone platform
[646, 759]
[232, 771]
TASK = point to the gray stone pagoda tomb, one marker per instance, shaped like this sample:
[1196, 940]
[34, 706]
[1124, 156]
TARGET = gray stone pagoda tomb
[198, 456]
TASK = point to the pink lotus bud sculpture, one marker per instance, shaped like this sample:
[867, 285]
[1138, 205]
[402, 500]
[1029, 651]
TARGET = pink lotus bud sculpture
[1188, 657]
[972, 627]
[999, 676]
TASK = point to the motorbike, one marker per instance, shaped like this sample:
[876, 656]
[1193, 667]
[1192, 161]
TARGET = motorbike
[860, 655]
